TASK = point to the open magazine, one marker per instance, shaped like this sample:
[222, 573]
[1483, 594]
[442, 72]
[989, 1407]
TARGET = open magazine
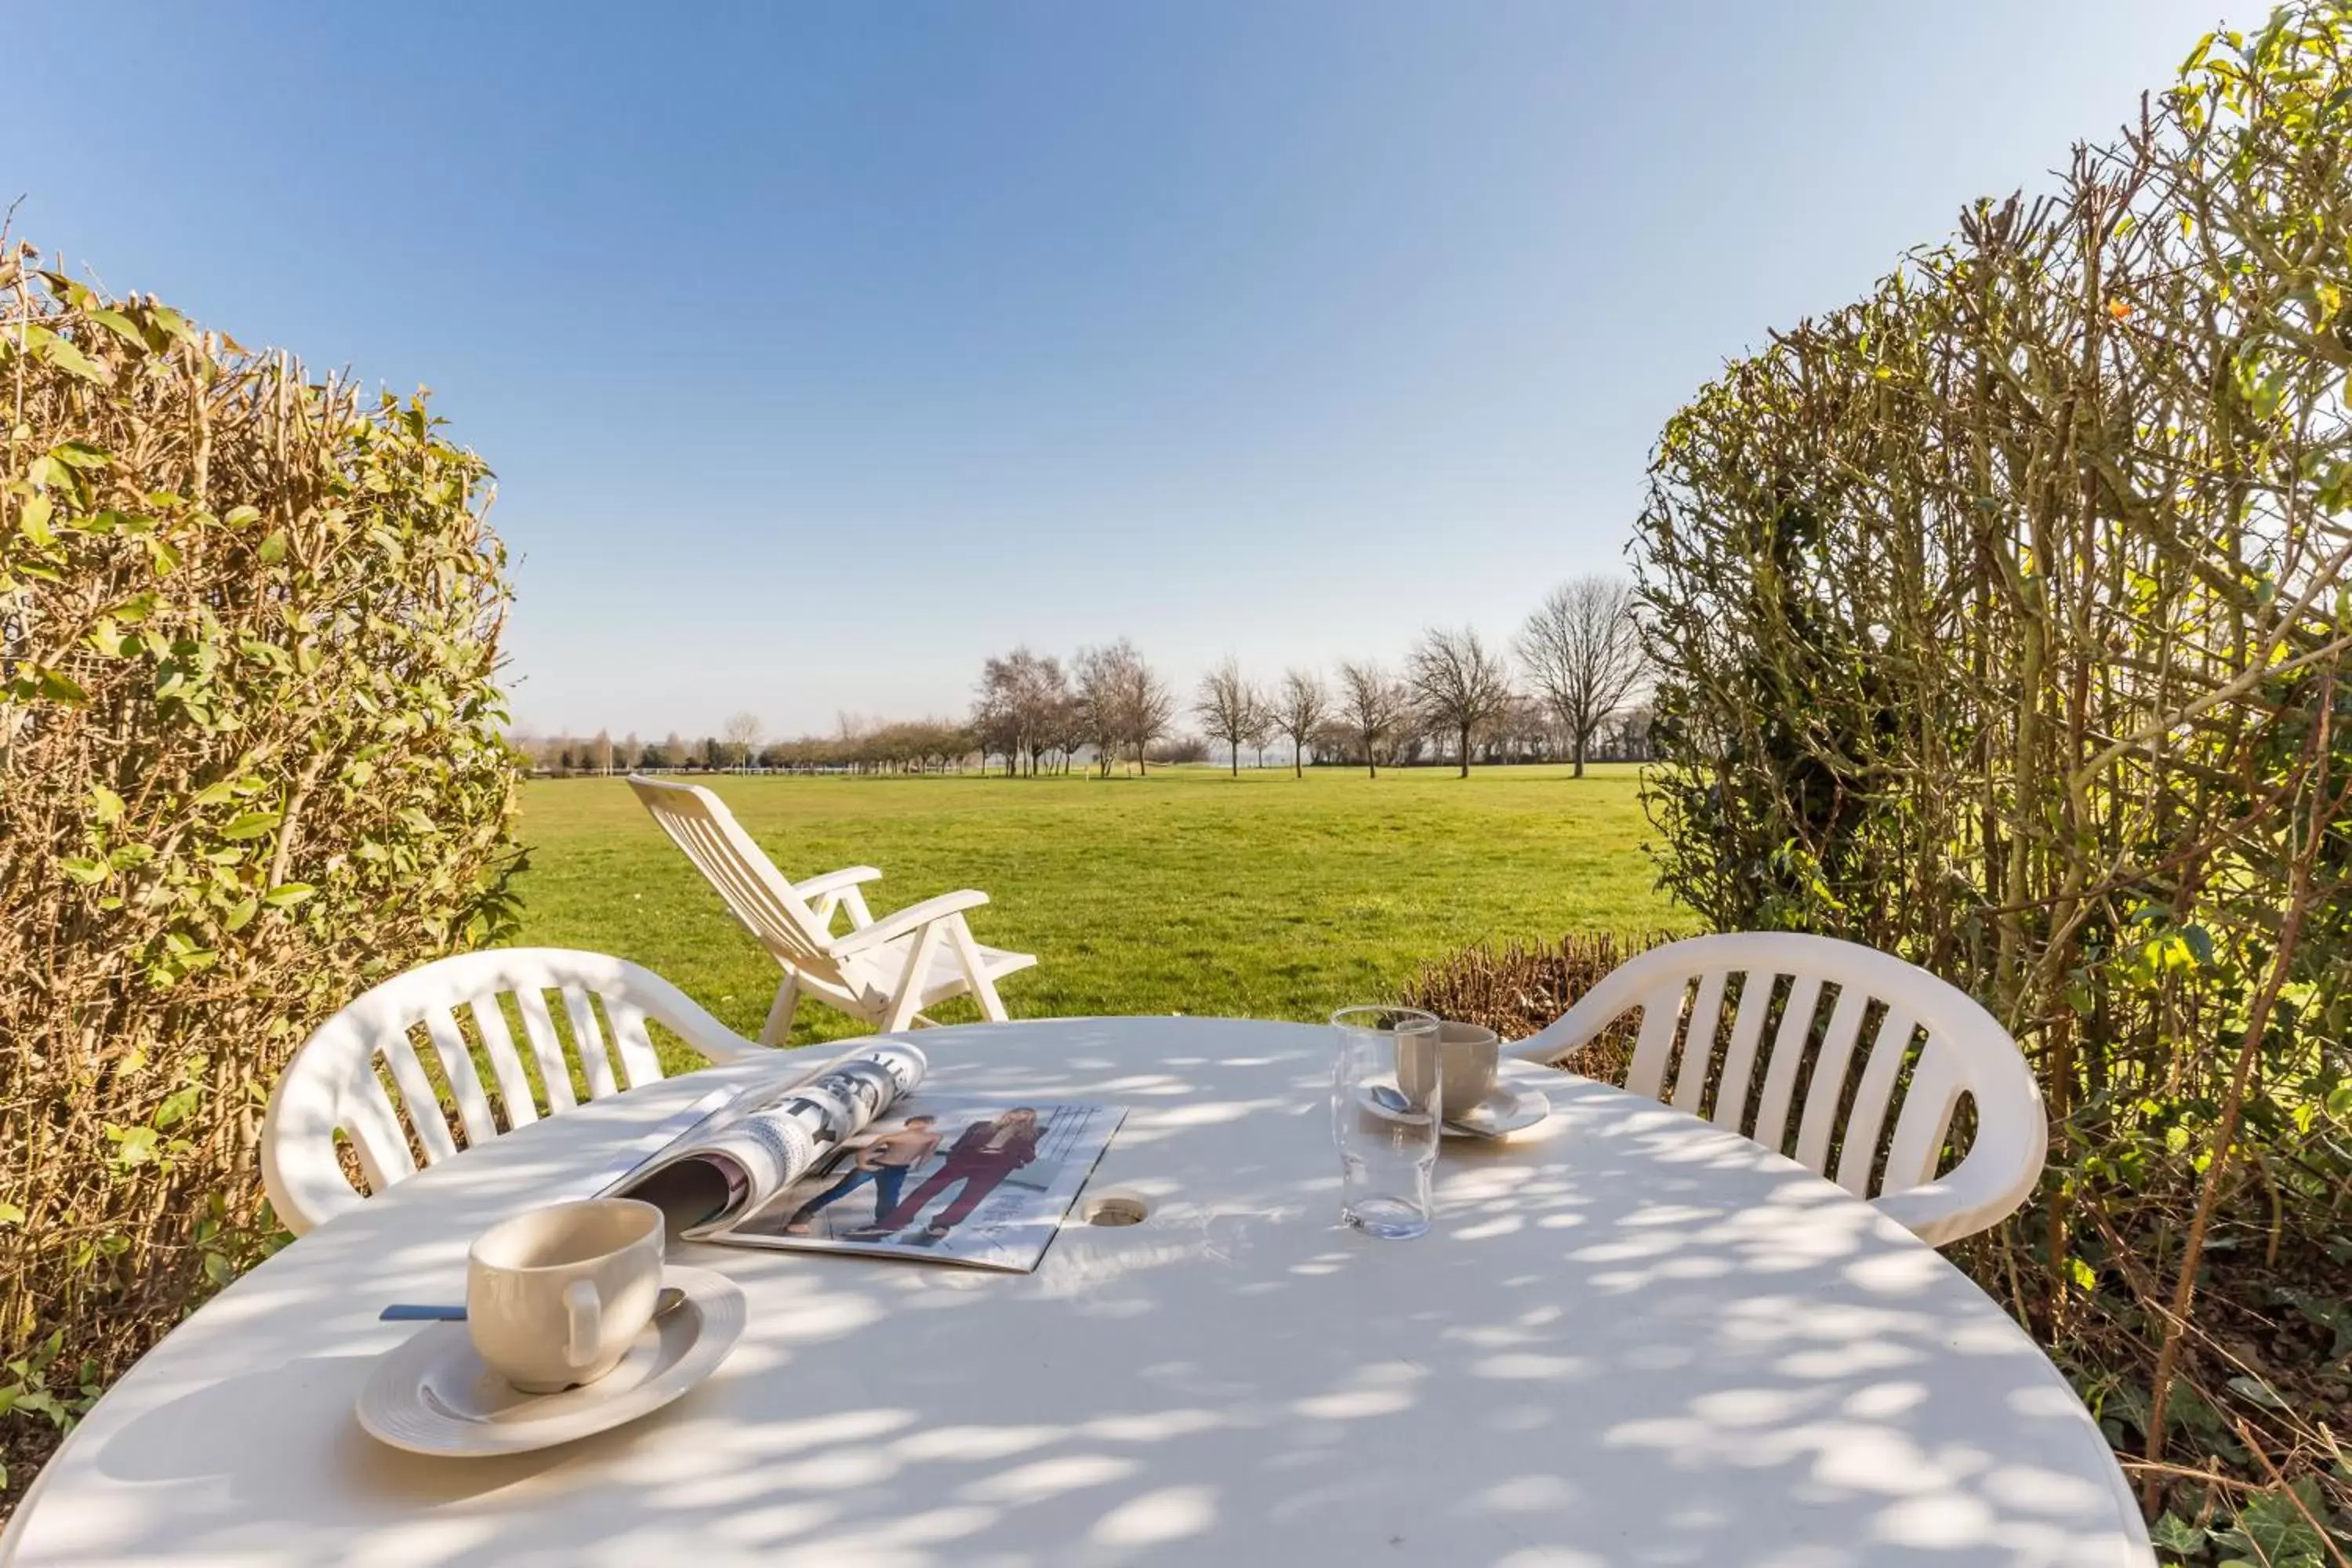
[852, 1159]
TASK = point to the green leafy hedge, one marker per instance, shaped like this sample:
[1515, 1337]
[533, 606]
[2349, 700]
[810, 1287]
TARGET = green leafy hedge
[2004, 620]
[250, 761]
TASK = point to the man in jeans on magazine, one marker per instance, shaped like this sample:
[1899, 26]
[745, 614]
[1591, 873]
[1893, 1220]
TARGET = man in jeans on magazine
[884, 1161]
[986, 1154]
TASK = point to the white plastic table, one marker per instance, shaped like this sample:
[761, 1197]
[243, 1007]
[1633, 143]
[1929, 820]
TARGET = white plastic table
[1630, 1339]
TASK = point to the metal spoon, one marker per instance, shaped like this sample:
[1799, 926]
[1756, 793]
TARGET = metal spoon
[667, 1302]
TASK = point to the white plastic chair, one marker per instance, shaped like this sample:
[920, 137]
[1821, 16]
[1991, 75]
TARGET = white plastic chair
[332, 1085]
[883, 971]
[1966, 1051]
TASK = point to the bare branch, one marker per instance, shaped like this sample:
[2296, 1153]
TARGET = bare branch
[1582, 648]
[1462, 685]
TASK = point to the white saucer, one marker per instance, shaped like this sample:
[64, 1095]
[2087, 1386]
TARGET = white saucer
[1504, 1112]
[432, 1394]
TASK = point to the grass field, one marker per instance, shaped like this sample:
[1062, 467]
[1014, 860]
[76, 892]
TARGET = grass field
[1187, 891]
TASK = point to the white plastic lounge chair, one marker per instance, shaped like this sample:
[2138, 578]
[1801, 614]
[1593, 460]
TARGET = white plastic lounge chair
[332, 1085]
[1965, 1051]
[883, 971]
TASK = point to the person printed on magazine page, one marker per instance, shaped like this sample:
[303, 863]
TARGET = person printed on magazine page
[884, 1162]
[986, 1154]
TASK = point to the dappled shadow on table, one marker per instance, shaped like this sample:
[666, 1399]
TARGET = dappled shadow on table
[1635, 1341]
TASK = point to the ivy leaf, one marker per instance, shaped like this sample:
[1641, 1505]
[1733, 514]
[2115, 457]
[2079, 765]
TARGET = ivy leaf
[2172, 1533]
[105, 805]
[2255, 1391]
[2271, 1530]
[82, 870]
[2322, 1311]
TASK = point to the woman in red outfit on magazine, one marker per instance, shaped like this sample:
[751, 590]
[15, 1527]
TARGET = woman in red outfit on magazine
[986, 1154]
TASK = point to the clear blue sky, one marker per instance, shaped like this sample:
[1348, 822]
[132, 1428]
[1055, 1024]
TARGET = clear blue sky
[821, 350]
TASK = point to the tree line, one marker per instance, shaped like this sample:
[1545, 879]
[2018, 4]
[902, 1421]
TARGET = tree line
[1568, 686]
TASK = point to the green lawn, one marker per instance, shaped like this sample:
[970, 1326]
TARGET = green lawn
[1187, 891]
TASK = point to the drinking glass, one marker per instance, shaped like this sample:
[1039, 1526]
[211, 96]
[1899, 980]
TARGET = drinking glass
[1384, 1116]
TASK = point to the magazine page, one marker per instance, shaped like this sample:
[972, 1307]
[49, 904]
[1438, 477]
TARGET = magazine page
[983, 1183]
[739, 1155]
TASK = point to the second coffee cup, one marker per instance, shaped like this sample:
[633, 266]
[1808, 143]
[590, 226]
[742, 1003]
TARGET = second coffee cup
[1467, 1057]
[1468, 1053]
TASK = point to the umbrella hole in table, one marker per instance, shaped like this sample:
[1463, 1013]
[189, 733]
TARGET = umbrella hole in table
[1119, 1207]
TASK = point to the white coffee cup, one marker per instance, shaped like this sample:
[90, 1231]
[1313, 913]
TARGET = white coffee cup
[556, 1295]
[1467, 1054]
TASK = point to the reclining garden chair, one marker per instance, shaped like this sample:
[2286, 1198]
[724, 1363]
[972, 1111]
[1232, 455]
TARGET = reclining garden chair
[1964, 1050]
[335, 1084]
[883, 971]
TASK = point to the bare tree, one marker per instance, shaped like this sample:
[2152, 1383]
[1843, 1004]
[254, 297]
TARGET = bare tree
[741, 737]
[1372, 704]
[1020, 706]
[1461, 683]
[1147, 707]
[1581, 647]
[1230, 707]
[1120, 704]
[1101, 686]
[1302, 705]
[1066, 729]
[995, 712]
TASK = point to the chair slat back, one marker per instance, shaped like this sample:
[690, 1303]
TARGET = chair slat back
[589, 1041]
[754, 891]
[1829, 1077]
[457, 1031]
[1898, 1042]
[1740, 1055]
[546, 1050]
[1873, 1095]
[1780, 1071]
[505, 1062]
[362, 1077]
